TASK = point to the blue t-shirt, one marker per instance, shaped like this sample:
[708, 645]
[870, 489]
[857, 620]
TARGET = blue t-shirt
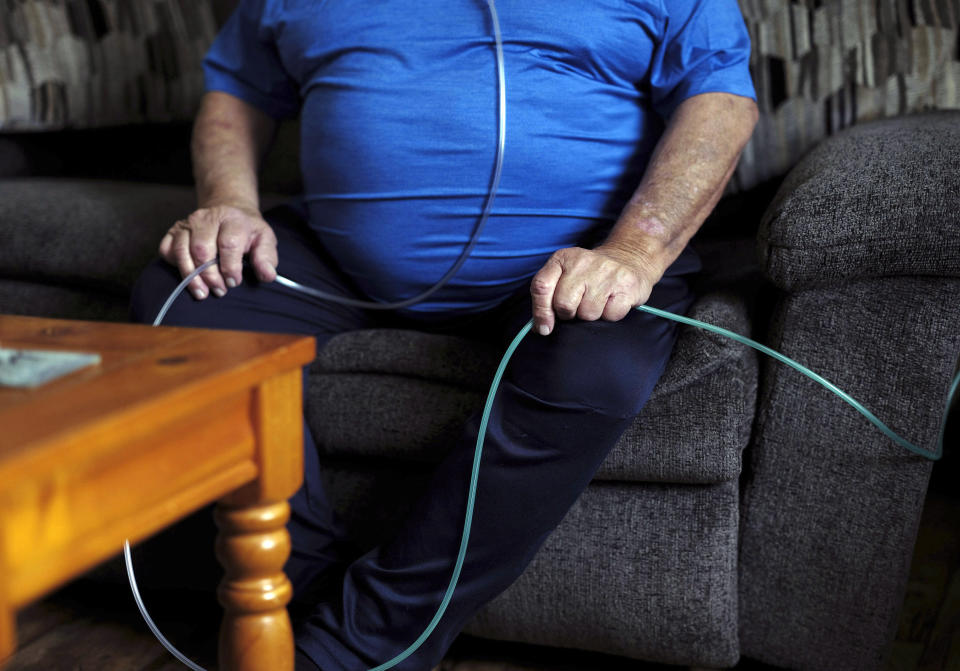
[398, 108]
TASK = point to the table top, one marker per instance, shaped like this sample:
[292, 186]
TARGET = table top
[142, 367]
[171, 419]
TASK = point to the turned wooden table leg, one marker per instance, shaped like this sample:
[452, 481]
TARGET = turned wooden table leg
[8, 638]
[253, 545]
[8, 631]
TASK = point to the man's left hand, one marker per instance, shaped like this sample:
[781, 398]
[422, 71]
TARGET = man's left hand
[590, 284]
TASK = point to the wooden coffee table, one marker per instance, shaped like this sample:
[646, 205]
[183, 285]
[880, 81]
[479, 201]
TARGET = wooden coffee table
[170, 420]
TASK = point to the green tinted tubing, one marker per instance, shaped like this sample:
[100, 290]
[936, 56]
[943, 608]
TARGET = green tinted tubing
[488, 406]
[820, 379]
[471, 498]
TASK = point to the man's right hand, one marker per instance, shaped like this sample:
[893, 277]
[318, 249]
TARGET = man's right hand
[225, 230]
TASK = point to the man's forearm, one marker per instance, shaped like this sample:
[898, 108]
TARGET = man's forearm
[684, 180]
[230, 138]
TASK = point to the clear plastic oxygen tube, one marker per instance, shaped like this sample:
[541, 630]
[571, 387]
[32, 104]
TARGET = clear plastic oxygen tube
[485, 214]
[372, 305]
[474, 238]
[482, 432]
[494, 386]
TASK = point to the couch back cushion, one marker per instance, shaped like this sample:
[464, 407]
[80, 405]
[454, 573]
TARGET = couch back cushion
[93, 63]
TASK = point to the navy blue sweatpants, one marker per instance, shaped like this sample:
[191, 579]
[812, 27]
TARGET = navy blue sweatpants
[564, 402]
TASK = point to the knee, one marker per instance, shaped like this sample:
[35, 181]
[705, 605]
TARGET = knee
[151, 290]
[602, 367]
[588, 384]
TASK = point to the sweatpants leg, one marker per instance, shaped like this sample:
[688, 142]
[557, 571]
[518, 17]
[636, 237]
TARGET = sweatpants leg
[564, 402]
[320, 540]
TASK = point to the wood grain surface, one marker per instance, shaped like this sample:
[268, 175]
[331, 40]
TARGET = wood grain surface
[169, 421]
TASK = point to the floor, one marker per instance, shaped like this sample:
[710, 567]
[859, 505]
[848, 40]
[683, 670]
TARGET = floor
[84, 627]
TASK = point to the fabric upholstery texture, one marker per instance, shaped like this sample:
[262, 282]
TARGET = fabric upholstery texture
[118, 224]
[879, 199]
[405, 395]
[667, 558]
[641, 566]
[664, 544]
[28, 297]
[820, 66]
[830, 505]
[85, 63]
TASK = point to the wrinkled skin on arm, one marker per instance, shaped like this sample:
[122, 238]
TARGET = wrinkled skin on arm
[684, 180]
[230, 138]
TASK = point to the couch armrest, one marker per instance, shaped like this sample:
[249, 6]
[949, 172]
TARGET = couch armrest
[830, 505]
[879, 199]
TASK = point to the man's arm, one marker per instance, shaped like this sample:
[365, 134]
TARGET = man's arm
[683, 182]
[230, 138]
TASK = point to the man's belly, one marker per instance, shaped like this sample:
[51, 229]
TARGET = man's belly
[397, 249]
[398, 149]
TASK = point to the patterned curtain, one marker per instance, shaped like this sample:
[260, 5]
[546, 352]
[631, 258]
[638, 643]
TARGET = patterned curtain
[818, 65]
[822, 65]
[82, 63]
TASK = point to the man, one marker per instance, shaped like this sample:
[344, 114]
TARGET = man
[624, 121]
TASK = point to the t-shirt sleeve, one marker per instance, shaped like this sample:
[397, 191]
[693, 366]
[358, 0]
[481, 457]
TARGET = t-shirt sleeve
[704, 48]
[243, 61]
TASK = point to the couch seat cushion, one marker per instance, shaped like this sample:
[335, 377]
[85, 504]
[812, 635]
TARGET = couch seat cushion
[656, 581]
[405, 395]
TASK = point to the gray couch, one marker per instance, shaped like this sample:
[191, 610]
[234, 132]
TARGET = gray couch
[747, 511]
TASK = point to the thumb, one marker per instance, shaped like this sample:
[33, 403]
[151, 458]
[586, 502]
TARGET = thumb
[263, 255]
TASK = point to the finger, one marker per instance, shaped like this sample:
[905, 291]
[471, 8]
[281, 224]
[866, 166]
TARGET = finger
[182, 259]
[605, 281]
[542, 288]
[591, 307]
[617, 307]
[232, 241]
[264, 256]
[166, 244]
[204, 227]
[568, 294]
[596, 292]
